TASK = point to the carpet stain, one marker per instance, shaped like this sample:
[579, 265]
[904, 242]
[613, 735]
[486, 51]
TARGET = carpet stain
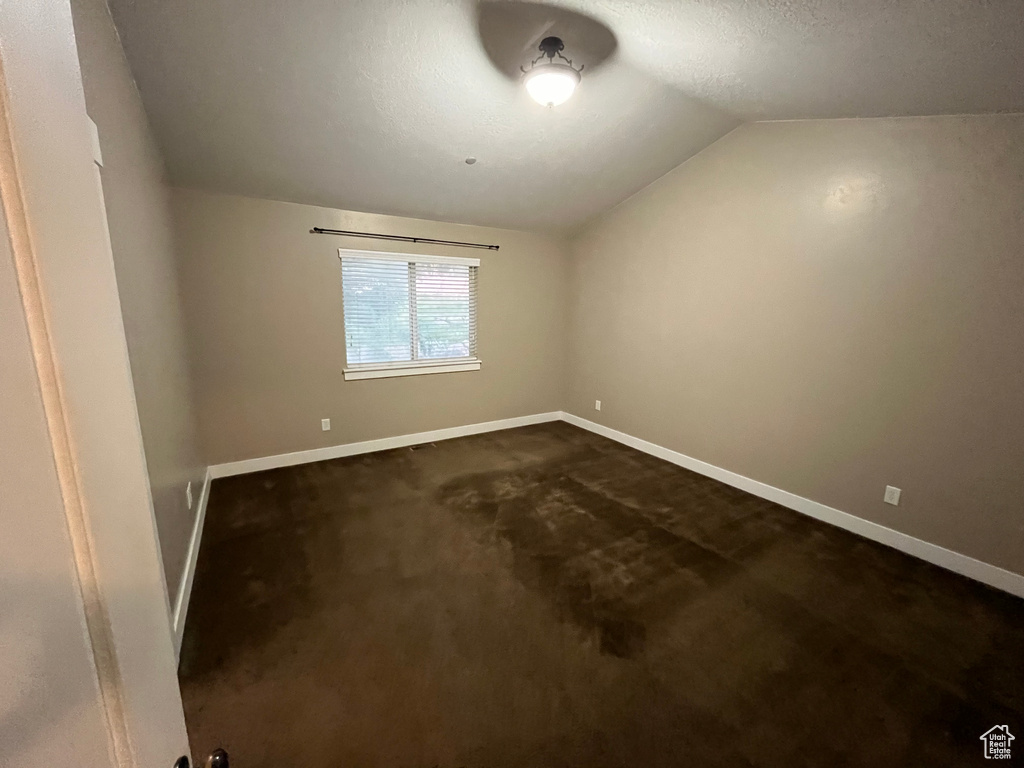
[605, 567]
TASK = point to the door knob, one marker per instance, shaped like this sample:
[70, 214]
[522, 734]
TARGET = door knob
[217, 759]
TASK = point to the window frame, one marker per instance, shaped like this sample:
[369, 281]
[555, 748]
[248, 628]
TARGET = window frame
[419, 367]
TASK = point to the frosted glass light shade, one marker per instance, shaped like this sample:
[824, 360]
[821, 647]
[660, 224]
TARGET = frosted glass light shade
[551, 84]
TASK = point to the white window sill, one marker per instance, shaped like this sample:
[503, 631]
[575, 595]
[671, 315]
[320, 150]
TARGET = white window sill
[385, 371]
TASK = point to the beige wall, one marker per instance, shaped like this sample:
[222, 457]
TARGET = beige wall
[827, 307]
[263, 299]
[141, 235]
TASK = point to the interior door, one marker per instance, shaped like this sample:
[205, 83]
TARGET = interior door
[87, 667]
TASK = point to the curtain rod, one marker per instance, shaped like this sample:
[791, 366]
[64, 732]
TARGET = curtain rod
[400, 238]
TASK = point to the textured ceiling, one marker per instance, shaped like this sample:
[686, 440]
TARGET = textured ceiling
[791, 59]
[374, 104]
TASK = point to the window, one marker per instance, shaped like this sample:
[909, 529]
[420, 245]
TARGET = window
[407, 315]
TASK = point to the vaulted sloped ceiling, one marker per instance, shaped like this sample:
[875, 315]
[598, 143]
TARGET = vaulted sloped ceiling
[374, 105]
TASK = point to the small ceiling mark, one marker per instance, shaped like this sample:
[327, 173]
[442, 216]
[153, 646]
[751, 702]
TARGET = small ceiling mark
[470, 160]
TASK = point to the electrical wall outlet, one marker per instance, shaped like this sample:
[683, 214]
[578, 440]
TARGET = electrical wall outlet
[892, 495]
[188, 494]
[325, 425]
[597, 405]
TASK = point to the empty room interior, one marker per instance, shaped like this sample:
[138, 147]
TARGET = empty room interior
[568, 384]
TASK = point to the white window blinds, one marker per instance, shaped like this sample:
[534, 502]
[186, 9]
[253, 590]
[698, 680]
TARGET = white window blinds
[404, 311]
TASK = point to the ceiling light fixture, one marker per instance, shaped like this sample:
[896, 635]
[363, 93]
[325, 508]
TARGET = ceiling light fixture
[551, 82]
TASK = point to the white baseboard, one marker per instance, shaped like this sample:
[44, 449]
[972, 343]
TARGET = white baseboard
[992, 575]
[369, 446]
[185, 587]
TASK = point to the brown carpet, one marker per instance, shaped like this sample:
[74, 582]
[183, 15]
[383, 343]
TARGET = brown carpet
[545, 597]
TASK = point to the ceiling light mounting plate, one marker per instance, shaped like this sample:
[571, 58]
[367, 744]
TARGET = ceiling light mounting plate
[552, 46]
